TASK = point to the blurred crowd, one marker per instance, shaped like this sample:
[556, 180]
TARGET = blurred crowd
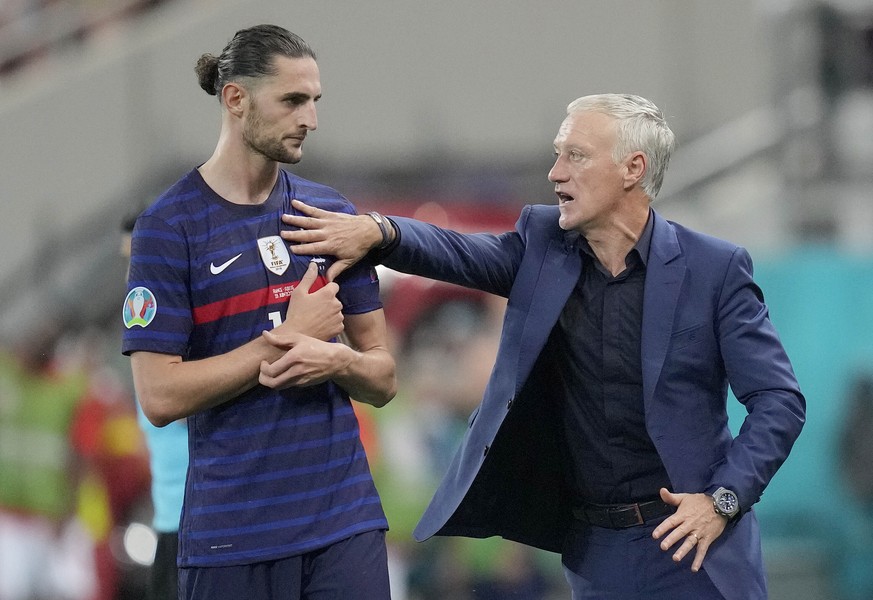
[31, 30]
[73, 468]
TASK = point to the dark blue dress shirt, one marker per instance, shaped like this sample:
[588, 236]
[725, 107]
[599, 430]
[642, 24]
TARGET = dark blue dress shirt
[611, 457]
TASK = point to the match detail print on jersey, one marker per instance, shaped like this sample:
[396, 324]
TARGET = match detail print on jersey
[249, 301]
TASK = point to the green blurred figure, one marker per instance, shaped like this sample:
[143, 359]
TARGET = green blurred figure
[45, 552]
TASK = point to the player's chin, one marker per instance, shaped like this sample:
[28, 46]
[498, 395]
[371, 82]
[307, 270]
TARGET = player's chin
[291, 150]
[292, 158]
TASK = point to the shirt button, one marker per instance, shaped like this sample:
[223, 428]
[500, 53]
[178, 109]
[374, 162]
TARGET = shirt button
[509, 404]
[485, 452]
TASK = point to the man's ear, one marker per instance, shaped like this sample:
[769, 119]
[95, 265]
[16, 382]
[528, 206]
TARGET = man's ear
[233, 96]
[636, 166]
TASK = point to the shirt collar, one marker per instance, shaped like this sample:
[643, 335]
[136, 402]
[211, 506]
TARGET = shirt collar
[645, 242]
[641, 247]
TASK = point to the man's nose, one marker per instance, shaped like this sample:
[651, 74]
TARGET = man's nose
[310, 118]
[557, 172]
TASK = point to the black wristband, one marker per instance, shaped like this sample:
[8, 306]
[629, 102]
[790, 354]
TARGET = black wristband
[380, 221]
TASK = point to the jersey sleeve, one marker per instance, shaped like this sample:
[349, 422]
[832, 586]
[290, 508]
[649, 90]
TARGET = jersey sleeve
[157, 309]
[359, 289]
[359, 285]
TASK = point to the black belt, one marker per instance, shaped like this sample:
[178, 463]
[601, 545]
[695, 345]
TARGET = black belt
[619, 516]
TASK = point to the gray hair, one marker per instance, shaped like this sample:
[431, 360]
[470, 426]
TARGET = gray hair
[640, 127]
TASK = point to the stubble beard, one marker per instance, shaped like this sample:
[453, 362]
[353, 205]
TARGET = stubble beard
[259, 143]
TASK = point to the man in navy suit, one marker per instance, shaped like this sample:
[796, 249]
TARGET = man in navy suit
[603, 433]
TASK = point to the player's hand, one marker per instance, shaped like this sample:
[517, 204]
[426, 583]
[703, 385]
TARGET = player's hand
[307, 361]
[695, 526]
[347, 237]
[316, 313]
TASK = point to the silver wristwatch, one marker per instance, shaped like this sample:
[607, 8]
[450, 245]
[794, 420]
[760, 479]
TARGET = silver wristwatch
[725, 503]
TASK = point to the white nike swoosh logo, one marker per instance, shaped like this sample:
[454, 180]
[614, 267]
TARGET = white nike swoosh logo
[216, 270]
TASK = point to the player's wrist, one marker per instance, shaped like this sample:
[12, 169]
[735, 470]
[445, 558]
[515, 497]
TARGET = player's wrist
[344, 360]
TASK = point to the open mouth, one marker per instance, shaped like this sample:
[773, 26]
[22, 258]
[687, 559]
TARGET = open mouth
[564, 198]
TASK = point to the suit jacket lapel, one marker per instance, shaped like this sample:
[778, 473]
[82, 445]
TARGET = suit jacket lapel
[665, 272]
[558, 275]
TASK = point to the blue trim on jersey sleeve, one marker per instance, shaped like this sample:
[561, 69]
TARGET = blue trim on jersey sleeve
[157, 234]
[144, 261]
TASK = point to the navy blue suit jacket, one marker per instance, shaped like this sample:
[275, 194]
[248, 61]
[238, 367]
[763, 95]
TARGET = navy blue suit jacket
[704, 325]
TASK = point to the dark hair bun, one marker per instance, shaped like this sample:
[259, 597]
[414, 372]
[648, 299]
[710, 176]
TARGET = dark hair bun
[207, 73]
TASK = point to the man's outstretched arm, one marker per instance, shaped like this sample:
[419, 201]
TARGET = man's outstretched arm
[347, 237]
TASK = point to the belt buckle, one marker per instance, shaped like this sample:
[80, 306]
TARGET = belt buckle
[638, 514]
[622, 511]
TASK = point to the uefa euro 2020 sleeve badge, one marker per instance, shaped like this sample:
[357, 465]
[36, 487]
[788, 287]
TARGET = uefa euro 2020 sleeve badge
[139, 308]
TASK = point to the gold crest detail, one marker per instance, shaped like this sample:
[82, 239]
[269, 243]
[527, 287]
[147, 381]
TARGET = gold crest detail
[274, 253]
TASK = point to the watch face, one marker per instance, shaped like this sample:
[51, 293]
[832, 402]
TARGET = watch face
[727, 502]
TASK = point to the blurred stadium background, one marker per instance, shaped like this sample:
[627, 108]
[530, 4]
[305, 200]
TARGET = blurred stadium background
[447, 111]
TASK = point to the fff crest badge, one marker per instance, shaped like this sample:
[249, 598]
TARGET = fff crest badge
[274, 253]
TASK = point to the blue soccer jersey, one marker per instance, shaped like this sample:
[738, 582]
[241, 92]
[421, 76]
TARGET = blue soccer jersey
[271, 473]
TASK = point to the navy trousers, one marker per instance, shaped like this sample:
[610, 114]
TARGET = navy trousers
[628, 564]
